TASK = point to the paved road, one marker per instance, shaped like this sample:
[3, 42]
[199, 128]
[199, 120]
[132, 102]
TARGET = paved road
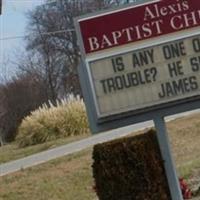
[45, 156]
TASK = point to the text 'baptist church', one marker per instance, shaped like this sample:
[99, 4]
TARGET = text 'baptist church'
[141, 23]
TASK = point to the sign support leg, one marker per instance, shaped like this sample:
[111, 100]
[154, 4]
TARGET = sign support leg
[170, 170]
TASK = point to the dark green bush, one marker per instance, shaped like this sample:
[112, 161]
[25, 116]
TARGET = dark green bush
[130, 169]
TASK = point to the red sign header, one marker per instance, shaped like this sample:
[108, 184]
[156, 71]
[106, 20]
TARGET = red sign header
[138, 23]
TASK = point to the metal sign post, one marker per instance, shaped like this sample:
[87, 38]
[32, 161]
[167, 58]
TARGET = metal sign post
[170, 170]
[0, 7]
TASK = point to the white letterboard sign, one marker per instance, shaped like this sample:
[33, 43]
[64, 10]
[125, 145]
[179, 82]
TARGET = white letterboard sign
[139, 61]
[146, 77]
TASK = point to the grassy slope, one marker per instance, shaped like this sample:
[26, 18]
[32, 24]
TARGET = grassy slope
[70, 178]
[185, 142]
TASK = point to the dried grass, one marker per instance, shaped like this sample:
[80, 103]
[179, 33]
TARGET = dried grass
[66, 118]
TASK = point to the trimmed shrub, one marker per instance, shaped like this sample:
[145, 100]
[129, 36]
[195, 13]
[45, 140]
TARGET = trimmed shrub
[130, 169]
[67, 118]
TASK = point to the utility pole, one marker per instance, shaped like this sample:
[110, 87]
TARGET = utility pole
[0, 7]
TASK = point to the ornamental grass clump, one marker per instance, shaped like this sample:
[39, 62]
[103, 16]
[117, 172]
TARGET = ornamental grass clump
[66, 118]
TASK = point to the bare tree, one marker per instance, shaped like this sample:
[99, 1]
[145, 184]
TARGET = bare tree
[61, 46]
[2, 113]
[5, 61]
[46, 68]
[17, 98]
[52, 37]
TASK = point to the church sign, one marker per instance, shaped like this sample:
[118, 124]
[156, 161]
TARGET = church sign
[140, 63]
[142, 57]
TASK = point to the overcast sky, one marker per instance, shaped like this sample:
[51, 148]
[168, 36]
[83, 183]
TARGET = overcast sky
[13, 23]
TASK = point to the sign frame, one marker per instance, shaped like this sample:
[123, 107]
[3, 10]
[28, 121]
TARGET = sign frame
[92, 105]
[105, 123]
[126, 120]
